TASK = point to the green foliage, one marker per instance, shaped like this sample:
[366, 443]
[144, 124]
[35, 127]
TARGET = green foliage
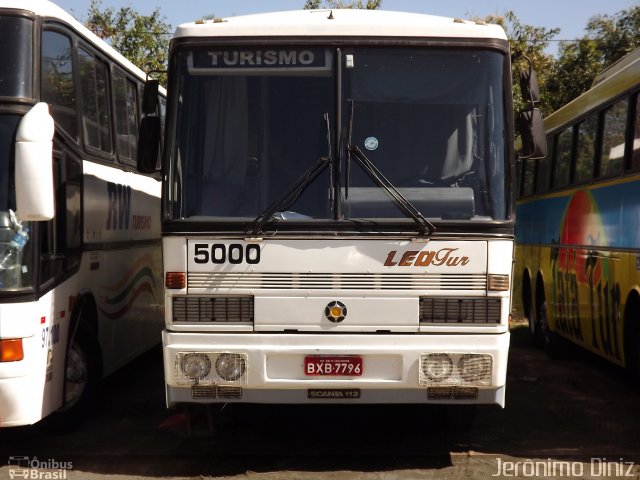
[531, 42]
[607, 39]
[143, 39]
[368, 4]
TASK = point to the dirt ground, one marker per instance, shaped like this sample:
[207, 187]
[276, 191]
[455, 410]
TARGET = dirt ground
[575, 418]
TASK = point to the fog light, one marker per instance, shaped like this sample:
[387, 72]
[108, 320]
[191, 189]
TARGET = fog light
[437, 367]
[196, 365]
[231, 366]
[474, 368]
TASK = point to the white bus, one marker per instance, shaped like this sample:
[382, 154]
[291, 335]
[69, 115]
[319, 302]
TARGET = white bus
[337, 210]
[80, 253]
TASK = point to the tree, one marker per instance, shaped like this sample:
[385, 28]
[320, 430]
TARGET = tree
[368, 5]
[143, 39]
[532, 42]
[608, 39]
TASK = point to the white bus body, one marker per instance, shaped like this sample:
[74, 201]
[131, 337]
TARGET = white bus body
[334, 295]
[85, 297]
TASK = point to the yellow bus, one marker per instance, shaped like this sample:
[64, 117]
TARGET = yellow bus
[577, 272]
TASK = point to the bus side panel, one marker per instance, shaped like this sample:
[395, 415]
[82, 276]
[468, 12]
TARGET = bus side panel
[127, 287]
[31, 389]
[122, 266]
[590, 274]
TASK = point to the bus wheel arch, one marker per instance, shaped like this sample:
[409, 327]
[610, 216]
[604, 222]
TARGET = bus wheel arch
[83, 362]
[554, 345]
[631, 333]
[85, 312]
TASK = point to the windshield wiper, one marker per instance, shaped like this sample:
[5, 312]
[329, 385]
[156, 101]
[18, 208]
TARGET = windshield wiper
[426, 227]
[293, 193]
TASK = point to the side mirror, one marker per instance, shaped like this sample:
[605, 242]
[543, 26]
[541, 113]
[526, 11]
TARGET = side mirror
[150, 129]
[148, 144]
[34, 165]
[150, 97]
[534, 140]
[529, 86]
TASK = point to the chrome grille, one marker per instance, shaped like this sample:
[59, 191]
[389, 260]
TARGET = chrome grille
[341, 281]
[213, 309]
[459, 310]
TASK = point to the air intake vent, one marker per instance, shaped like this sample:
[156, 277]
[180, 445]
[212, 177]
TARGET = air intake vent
[459, 310]
[452, 393]
[213, 309]
[216, 391]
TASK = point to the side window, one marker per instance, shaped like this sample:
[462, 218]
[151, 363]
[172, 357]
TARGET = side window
[613, 135]
[543, 174]
[94, 91]
[57, 80]
[635, 156]
[586, 149]
[562, 157]
[126, 102]
[61, 238]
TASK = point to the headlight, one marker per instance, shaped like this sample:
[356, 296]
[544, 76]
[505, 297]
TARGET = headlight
[437, 367]
[230, 366]
[196, 365]
[474, 368]
[456, 369]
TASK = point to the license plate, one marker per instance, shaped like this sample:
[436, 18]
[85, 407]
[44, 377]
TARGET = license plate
[346, 366]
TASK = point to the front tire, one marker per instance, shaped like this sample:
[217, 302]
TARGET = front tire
[533, 320]
[554, 345]
[632, 336]
[83, 374]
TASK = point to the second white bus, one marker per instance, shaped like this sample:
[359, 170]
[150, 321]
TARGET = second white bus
[81, 285]
[337, 210]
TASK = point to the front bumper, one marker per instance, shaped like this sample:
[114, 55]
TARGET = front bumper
[275, 368]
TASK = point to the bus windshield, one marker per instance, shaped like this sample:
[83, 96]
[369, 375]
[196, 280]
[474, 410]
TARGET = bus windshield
[16, 38]
[251, 121]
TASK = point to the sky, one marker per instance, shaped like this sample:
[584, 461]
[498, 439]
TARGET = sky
[571, 16]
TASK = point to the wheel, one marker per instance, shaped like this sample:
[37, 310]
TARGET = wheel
[83, 374]
[535, 330]
[554, 345]
[532, 319]
[632, 337]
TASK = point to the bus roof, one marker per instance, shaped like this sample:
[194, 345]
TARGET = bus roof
[47, 9]
[346, 22]
[615, 80]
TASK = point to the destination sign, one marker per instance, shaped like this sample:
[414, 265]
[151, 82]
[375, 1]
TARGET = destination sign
[259, 60]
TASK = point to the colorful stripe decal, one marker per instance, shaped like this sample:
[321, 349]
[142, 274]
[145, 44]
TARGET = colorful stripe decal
[122, 295]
